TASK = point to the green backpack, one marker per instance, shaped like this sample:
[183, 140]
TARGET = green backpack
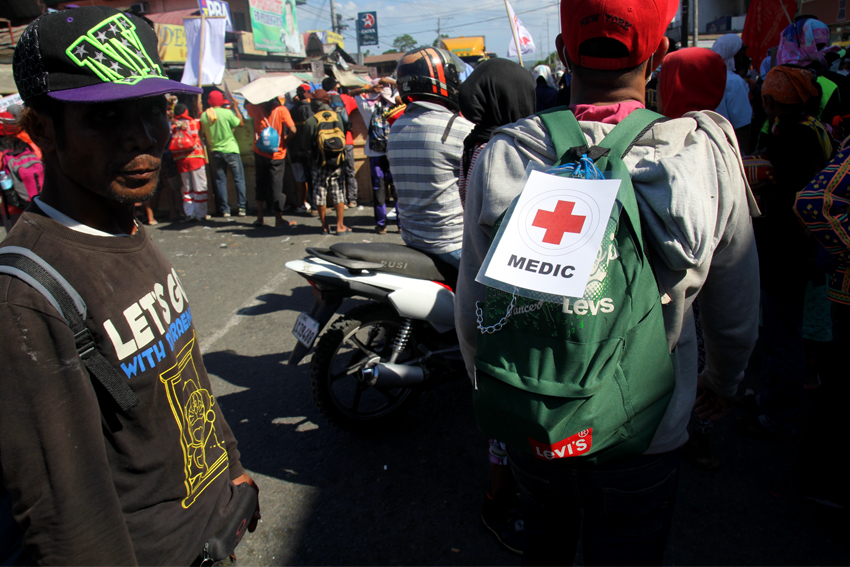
[588, 379]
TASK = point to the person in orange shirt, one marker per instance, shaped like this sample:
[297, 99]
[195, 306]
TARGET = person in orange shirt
[270, 167]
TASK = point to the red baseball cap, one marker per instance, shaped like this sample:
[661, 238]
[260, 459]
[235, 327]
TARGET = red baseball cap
[637, 24]
[216, 98]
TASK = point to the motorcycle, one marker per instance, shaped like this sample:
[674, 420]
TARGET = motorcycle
[371, 363]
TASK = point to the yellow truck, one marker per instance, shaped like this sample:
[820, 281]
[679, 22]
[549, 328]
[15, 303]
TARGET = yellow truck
[469, 49]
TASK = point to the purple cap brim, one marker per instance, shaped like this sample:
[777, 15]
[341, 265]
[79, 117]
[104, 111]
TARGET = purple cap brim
[108, 92]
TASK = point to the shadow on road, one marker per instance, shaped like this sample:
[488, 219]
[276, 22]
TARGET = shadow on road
[410, 494]
[272, 302]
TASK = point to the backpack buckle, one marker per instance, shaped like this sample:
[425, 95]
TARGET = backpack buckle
[84, 342]
[593, 153]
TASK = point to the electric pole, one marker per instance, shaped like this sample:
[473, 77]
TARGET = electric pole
[439, 28]
[696, 23]
[334, 26]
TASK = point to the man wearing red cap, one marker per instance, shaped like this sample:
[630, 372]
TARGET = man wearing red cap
[694, 209]
[217, 124]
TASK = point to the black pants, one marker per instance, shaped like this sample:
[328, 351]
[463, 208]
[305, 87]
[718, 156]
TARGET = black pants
[269, 177]
[621, 510]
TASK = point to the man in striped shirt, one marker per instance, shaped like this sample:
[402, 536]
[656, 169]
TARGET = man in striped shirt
[424, 149]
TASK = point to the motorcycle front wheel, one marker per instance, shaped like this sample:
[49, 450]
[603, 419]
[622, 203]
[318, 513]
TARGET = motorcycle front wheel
[339, 391]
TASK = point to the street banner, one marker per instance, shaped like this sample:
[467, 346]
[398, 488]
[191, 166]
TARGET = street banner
[171, 42]
[293, 41]
[549, 240]
[526, 42]
[275, 27]
[764, 24]
[328, 37]
[367, 28]
[212, 69]
[217, 8]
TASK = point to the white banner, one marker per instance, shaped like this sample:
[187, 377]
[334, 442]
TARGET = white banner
[525, 40]
[213, 50]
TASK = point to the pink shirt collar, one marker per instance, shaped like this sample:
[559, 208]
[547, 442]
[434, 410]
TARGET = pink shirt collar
[608, 114]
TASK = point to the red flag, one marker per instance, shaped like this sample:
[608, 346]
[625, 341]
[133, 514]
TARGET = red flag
[765, 21]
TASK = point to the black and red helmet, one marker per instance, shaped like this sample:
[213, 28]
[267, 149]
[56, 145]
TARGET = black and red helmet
[429, 73]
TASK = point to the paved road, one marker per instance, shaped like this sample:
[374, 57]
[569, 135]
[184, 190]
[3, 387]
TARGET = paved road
[412, 494]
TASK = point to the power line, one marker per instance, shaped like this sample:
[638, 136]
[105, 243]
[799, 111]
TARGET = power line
[477, 22]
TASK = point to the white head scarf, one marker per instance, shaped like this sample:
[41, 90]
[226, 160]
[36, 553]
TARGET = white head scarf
[545, 72]
[727, 46]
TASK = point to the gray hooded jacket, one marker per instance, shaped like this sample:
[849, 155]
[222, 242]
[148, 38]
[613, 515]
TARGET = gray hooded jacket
[696, 206]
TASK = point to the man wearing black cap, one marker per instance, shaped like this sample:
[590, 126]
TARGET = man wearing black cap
[140, 468]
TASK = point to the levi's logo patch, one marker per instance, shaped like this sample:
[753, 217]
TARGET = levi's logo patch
[573, 446]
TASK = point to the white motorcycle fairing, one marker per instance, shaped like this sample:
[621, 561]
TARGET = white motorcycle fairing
[413, 298]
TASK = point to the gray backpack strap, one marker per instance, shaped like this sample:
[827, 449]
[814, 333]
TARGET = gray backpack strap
[27, 266]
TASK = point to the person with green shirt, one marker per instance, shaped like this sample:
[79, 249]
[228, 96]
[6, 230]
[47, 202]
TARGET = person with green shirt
[217, 124]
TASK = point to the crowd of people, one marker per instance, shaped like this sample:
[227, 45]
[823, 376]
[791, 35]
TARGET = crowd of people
[729, 226]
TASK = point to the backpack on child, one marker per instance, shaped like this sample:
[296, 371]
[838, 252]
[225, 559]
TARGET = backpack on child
[330, 138]
[379, 129]
[586, 378]
[27, 173]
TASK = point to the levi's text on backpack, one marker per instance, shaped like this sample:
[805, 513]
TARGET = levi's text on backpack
[27, 172]
[379, 129]
[330, 139]
[589, 378]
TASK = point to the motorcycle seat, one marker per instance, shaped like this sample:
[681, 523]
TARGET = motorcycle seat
[401, 260]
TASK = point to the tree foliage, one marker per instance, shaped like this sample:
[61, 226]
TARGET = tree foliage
[437, 40]
[552, 61]
[404, 43]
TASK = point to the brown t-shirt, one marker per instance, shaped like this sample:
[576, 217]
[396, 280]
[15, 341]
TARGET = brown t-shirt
[93, 484]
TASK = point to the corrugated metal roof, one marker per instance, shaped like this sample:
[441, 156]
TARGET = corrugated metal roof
[5, 39]
[385, 58]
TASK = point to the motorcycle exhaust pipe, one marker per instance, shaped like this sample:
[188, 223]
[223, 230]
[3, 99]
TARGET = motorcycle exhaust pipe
[394, 375]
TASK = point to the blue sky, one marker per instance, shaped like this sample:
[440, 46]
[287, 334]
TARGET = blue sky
[458, 18]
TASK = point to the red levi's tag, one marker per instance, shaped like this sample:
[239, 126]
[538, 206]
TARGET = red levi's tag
[573, 446]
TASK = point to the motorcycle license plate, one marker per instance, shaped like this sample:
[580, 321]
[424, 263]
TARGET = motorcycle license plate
[305, 330]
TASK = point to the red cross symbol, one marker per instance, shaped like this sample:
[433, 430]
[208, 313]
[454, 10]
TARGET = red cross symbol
[558, 222]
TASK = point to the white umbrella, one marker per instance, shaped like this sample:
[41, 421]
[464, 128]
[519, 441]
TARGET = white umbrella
[267, 88]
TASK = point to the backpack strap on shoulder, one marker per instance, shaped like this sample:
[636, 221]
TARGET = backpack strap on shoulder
[626, 134]
[27, 266]
[621, 140]
[570, 144]
[565, 132]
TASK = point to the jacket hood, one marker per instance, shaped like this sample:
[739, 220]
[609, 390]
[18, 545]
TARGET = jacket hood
[676, 176]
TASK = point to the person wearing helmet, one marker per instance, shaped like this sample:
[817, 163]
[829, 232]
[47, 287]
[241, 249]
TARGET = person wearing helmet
[425, 150]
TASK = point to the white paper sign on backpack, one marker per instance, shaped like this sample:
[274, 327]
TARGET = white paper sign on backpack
[549, 241]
